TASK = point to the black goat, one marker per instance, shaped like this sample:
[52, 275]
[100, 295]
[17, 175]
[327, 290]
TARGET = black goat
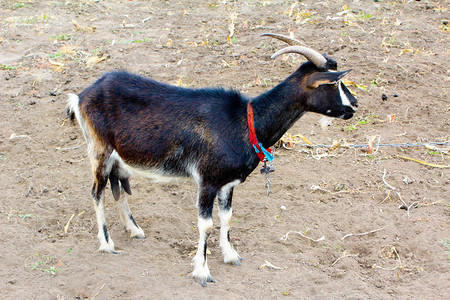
[138, 124]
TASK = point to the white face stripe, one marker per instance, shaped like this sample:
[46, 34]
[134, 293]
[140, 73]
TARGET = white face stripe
[344, 98]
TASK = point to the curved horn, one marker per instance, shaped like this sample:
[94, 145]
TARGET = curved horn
[288, 40]
[310, 54]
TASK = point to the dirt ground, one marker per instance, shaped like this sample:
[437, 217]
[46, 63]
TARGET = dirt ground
[399, 54]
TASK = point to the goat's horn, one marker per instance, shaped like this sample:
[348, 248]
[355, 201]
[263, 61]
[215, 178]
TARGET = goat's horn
[310, 54]
[288, 40]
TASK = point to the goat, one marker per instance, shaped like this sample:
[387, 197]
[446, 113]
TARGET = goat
[132, 123]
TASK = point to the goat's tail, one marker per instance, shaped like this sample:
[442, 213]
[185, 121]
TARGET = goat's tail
[73, 111]
[72, 107]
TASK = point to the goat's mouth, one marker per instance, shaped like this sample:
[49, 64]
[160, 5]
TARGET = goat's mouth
[346, 116]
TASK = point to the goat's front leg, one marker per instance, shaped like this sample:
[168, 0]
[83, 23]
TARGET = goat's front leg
[206, 196]
[230, 256]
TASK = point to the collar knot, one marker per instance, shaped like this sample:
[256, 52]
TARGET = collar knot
[263, 153]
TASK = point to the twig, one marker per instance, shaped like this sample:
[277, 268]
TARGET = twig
[30, 188]
[432, 203]
[403, 68]
[400, 197]
[269, 265]
[404, 206]
[15, 136]
[423, 162]
[362, 233]
[66, 227]
[285, 237]
[388, 196]
[398, 256]
[344, 256]
[415, 204]
[98, 291]
[56, 63]
[316, 187]
[384, 181]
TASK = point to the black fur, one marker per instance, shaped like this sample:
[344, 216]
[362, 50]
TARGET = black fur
[105, 232]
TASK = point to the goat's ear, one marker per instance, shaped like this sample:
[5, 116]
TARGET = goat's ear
[316, 79]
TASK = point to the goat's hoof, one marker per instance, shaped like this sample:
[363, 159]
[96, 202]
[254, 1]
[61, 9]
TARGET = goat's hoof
[233, 258]
[138, 234]
[238, 263]
[108, 248]
[202, 276]
[204, 280]
[110, 251]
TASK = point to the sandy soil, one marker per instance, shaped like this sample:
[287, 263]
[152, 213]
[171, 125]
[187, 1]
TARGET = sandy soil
[396, 48]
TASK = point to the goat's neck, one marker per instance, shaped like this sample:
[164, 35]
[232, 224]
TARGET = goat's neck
[277, 110]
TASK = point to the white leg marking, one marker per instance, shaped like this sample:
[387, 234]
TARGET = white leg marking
[194, 173]
[225, 190]
[127, 218]
[106, 242]
[201, 271]
[230, 256]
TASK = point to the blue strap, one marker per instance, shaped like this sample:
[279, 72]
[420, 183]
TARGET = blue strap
[266, 153]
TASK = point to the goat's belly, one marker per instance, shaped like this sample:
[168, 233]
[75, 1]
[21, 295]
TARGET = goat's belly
[156, 175]
[169, 172]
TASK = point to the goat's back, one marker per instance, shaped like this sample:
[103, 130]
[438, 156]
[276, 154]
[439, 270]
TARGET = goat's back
[151, 123]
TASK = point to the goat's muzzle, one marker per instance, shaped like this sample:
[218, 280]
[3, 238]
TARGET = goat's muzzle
[349, 112]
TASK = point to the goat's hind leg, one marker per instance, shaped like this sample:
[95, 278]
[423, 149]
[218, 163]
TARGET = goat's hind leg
[101, 167]
[127, 218]
[119, 179]
[120, 174]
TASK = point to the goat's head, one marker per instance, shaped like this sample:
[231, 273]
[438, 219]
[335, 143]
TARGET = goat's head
[325, 92]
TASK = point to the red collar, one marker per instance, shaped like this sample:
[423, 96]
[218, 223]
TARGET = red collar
[263, 153]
